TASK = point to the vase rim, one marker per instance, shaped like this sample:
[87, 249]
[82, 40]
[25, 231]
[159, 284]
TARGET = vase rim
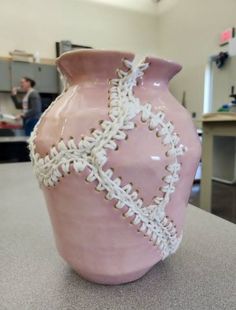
[88, 52]
[91, 51]
[85, 60]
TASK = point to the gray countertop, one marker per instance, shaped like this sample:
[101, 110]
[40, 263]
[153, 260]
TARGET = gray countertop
[201, 275]
[13, 139]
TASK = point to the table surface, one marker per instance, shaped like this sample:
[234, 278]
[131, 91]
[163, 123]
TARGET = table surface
[201, 275]
[219, 117]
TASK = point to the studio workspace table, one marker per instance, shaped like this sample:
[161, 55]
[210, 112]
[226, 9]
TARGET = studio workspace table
[201, 275]
[214, 124]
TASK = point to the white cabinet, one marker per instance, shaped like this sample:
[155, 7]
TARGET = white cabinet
[45, 76]
[5, 76]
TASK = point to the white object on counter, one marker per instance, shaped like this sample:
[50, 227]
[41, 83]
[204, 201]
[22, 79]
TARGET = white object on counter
[7, 117]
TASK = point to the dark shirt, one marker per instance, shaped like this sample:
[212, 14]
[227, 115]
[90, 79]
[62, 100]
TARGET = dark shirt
[34, 105]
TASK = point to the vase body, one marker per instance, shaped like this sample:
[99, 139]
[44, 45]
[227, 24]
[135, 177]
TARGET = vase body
[116, 155]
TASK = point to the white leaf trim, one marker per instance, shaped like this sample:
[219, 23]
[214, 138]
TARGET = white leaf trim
[91, 152]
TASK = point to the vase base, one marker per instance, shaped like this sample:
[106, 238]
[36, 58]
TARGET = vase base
[113, 279]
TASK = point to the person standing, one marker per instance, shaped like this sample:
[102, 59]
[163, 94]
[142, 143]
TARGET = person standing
[30, 104]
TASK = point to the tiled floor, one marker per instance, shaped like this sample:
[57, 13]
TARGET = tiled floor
[223, 200]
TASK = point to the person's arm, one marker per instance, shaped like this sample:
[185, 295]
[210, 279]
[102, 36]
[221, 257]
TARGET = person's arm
[34, 105]
[18, 104]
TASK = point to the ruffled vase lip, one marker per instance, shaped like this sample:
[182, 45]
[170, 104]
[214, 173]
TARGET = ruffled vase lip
[92, 52]
[159, 68]
[152, 60]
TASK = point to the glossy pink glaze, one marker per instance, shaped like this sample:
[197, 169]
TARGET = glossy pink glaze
[92, 235]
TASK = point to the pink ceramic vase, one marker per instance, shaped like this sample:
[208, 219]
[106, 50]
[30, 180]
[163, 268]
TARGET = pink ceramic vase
[115, 155]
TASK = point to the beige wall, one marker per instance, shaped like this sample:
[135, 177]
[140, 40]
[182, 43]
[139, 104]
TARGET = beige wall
[189, 34]
[35, 25]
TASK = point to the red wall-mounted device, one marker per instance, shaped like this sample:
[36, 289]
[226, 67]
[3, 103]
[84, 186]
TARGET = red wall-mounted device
[226, 36]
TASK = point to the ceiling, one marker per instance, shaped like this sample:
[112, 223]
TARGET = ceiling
[153, 7]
